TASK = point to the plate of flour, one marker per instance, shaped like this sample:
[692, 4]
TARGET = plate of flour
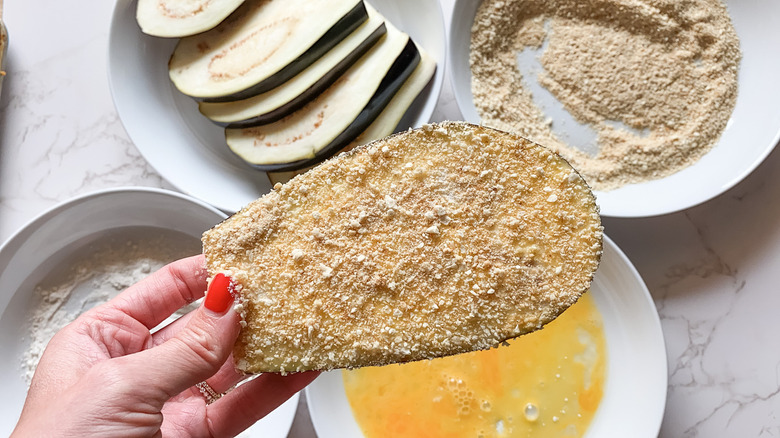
[659, 108]
[81, 254]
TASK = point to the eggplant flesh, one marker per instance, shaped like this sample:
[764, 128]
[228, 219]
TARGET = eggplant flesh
[244, 142]
[287, 98]
[259, 47]
[181, 18]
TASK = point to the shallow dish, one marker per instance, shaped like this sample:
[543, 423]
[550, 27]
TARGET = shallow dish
[636, 363]
[190, 151]
[752, 132]
[49, 242]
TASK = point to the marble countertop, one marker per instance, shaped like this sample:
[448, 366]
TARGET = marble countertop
[712, 269]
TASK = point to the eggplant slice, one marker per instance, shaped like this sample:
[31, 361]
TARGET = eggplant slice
[387, 121]
[181, 18]
[435, 241]
[290, 96]
[262, 45]
[327, 124]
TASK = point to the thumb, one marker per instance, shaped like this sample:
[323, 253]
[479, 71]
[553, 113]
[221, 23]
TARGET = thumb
[194, 353]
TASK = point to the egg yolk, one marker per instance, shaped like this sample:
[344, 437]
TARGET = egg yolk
[545, 384]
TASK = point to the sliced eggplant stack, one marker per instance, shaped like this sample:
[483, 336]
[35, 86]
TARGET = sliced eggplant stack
[388, 119]
[337, 116]
[260, 46]
[181, 18]
[290, 96]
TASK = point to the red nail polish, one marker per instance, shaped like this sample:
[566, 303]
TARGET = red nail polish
[220, 294]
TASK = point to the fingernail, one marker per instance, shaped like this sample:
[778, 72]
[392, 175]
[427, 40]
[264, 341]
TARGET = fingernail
[220, 294]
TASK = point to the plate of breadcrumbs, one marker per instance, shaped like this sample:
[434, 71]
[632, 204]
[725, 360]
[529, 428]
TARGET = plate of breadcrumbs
[660, 105]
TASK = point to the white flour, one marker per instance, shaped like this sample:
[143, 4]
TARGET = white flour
[94, 275]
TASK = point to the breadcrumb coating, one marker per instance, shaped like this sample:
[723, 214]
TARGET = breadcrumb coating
[436, 241]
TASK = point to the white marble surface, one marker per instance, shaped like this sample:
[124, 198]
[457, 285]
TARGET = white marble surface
[712, 269]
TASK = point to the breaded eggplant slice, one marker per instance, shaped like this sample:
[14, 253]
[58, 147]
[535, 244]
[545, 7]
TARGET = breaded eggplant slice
[431, 242]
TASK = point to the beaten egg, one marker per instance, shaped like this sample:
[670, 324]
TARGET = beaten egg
[545, 384]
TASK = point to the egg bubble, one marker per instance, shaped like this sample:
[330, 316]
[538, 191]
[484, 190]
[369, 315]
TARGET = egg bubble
[464, 410]
[531, 412]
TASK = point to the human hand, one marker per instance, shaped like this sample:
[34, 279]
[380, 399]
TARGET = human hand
[106, 374]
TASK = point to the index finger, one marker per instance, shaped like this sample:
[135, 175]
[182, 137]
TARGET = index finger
[167, 290]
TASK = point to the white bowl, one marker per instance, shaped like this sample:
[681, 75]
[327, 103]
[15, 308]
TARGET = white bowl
[49, 242]
[635, 391]
[752, 132]
[190, 151]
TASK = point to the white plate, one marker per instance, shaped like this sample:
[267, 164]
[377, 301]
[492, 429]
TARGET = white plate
[187, 149]
[635, 393]
[752, 132]
[45, 244]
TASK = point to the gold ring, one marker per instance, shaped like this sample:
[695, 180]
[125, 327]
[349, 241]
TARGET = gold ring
[208, 392]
